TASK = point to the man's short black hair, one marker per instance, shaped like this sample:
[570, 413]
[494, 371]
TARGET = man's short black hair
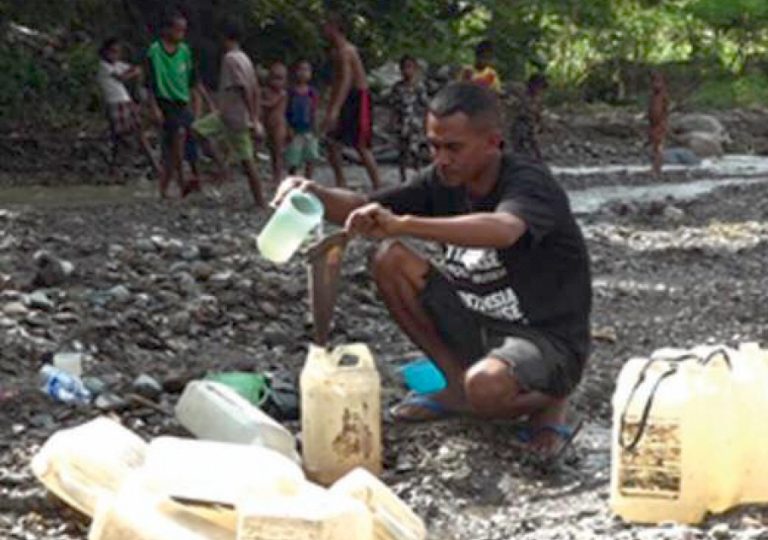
[477, 102]
[170, 17]
[233, 31]
[407, 58]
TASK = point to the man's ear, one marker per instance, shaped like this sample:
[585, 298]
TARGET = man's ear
[495, 139]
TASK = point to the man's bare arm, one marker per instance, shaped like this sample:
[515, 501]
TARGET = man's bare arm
[487, 229]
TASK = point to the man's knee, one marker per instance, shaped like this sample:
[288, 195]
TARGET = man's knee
[390, 256]
[489, 384]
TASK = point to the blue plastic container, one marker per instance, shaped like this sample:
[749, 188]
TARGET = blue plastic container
[423, 376]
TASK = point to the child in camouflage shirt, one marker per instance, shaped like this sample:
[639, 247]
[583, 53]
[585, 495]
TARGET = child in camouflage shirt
[409, 105]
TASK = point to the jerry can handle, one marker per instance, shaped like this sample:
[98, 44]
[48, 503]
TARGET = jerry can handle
[630, 446]
[349, 356]
[722, 353]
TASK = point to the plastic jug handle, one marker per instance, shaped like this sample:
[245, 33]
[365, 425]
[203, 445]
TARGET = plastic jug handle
[359, 352]
[629, 446]
[717, 353]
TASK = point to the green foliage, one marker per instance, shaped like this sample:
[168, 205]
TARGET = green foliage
[746, 91]
[596, 48]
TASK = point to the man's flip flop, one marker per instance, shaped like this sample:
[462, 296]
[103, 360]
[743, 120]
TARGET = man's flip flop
[436, 411]
[525, 435]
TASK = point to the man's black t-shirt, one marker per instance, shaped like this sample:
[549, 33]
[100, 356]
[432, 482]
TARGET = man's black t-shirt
[543, 281]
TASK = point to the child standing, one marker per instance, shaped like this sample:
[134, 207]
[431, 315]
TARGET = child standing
[527, 125]
[658, 112]
[237, 116]
[303, 99]
[122, 111]
[409, 105]
[174, 87]
[274, 103]
[483, 72]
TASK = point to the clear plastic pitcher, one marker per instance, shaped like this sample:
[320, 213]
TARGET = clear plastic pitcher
[683, 435]
[392, 518]
[84, 463]
[215, 412]
[311, 514]
[340, 412]
[216, 473]
[136, 513]
[294, 219]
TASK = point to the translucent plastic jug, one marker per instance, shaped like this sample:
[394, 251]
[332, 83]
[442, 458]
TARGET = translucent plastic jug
[684, 435]
[135, 513]
[294, 219]
[311, 514]
[392, 518]
[216, 473]
[215, 412]
[84, 463]
[340, 412]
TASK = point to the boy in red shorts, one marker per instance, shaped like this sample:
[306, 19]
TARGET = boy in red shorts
[348, 119]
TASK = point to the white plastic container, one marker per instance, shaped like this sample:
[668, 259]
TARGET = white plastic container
[392, 518]
[84, 463]
[689, 434]
[215, 412]
[71, 362]
[136, 513]
[215, 472]
[340, 412]
[312, 514]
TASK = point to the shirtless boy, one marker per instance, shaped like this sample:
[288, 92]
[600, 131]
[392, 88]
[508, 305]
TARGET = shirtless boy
[348, 119]
[274, 103]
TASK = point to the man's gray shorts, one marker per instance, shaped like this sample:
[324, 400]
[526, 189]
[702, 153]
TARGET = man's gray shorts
[537, 361]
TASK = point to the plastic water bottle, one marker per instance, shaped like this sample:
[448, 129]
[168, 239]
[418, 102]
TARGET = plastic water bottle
[63, 387]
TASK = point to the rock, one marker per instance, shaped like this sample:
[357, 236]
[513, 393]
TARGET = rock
[179, 322]
[222, 279]
[201, 271]
[145, 245]
[179, 266]
[276, 334]
[673, 214]
[721, 531]
[187, 284]
[701, 143]
[120, 293]
[51, 271]
[704, 123]
[115, 251]
[269, 310]
[147, 386]
[95, 385]
[66, 317]
[15, 309]
[681, 156]
[40, 300]
[110, 402]
[190, 253]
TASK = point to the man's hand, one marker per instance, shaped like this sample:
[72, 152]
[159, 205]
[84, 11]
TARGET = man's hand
[374, 221]
[288, 185]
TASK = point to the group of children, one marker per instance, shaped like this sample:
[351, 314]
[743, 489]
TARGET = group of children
[284, 113]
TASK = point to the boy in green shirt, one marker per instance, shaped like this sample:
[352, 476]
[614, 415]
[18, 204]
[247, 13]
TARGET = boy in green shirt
[174, 87]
